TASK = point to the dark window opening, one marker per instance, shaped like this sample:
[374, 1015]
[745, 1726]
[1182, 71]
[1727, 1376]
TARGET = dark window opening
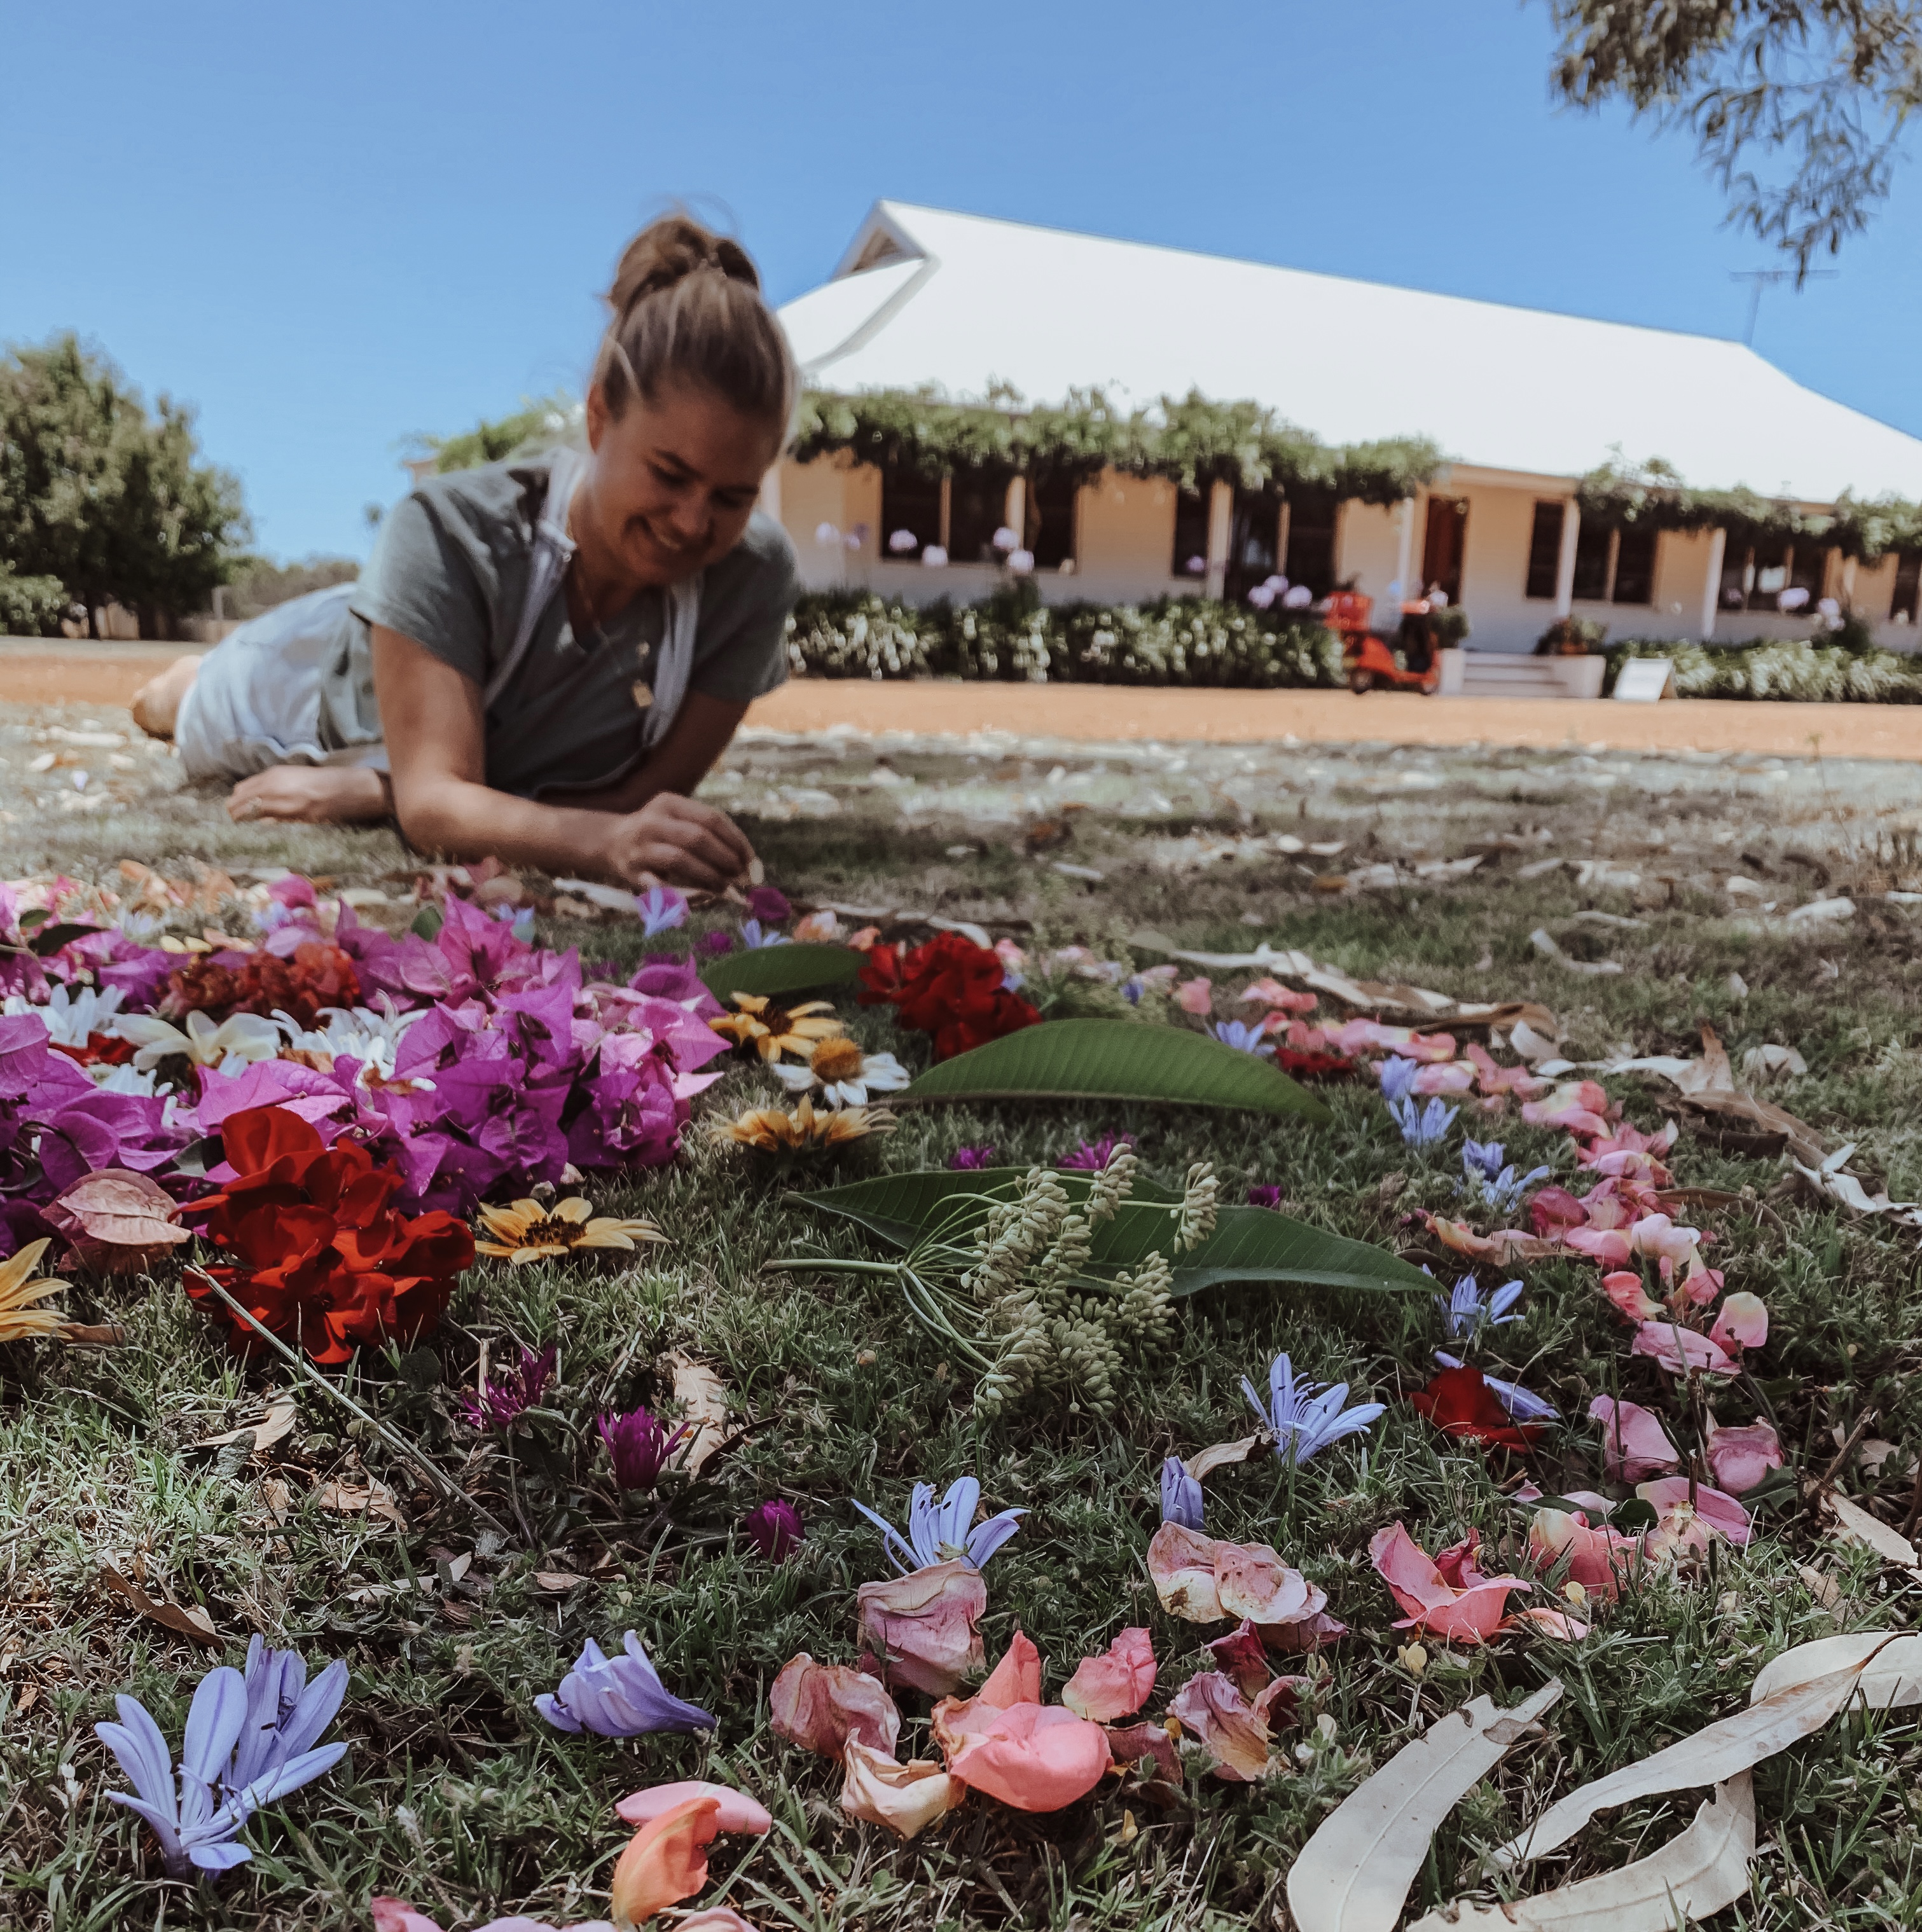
[1545, 549]
[1049, 533]
[1592, 544]
[910, 508]
[1908, 583]
[976, 507]
[1444, 547]
[1254, 542]
[1769, 578]
[1807, 566]
[1190, 558]
[1634, 567]
[1310, 557]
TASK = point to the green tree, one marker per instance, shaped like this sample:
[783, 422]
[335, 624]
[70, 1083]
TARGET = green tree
[1797, 106]
[108, 500]
[538, 424]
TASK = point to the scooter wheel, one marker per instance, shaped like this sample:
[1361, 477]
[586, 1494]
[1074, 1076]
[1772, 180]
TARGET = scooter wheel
[1360, 681]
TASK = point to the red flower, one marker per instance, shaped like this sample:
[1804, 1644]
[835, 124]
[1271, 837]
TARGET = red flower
[318, 975]
[1307, 1066]
[950, 987]
[319, 1254]
[1460, 1402]
[199, 987]
[101, 1050]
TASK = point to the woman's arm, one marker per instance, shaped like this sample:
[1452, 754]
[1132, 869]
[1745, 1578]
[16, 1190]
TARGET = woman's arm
[436, 735]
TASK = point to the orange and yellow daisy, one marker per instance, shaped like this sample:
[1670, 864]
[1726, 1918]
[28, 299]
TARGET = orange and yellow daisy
[20, 1320]
[526, 1232]
[772, 1030]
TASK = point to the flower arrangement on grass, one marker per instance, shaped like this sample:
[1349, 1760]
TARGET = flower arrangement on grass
[951, 988]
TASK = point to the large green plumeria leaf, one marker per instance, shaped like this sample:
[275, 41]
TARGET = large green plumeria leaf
[1248, 1244]
[1115, 1060]
[773, 972]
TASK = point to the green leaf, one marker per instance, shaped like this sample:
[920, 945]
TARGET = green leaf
[427, 923]
[773, 972]
[1248, 1244]
[47, 940]
[1115, 1060]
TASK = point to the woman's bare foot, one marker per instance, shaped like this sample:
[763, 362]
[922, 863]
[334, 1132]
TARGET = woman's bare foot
[313, 795]
[156, 706]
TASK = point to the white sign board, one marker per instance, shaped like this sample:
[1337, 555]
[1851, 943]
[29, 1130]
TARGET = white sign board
[1643, 680]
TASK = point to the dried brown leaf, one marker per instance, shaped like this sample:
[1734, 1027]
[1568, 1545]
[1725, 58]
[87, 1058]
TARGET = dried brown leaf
[703, 1397]
[1219, 1455]
[352, 1499]
[1354, 1874]
[557, 1582]
[277, 1419]
[187, 1620]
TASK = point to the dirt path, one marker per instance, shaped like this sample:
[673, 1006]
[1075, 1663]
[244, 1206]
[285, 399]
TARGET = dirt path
[110, 674]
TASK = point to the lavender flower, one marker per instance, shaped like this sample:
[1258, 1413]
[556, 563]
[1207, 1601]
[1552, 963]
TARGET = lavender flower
[1264, 1195]
[967, 1159]
[1464, 1312]
[939, 1532]
[774, 1529]
[1304, 1416]
[1424, 1129]
[1491, 1183]
[638, 1446]
[1523, 1405]
[661, 909]
[241, 1735]
[1242, 1037]
[1091, 1160]
[1398, 1077]
[768, 903]
[618, 1697]
[505, 1397]
[754, 937]
[1180, 1495]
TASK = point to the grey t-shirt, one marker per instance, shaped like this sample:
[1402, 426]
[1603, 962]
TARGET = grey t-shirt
[450, 571]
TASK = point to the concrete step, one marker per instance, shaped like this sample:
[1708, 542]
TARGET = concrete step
[1467, 674]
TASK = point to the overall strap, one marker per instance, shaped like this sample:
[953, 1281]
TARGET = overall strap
[675, 661]
[552, 550]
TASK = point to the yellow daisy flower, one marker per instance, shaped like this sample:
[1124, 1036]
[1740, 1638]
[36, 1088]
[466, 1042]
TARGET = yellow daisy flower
[775, 1130]
[772, 1030]
[526, 1232]
[19, 1319]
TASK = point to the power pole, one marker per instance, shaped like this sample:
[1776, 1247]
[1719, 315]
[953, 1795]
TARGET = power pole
[1765, 277]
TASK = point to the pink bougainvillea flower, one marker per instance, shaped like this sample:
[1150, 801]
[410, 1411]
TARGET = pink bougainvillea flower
[1196, 997]
[820, 1706]
[1740, 1459]
[1718, 1514]
[1741, 1322]
[1234, 1730]
[1270, 992]
[905, 1798]
[665, 1861]
[1678, 1349]
[1624, 1288]
[1114, 1685]
[737, 1812]
[1634, 1443]
[921, 1629]
[1445, 1597]
[1598, 1557]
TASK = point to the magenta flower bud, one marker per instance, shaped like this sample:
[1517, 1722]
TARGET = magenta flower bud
[769, 904]
[774, 1529]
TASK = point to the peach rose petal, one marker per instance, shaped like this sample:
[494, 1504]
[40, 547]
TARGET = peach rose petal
[905, 1798]
[1145, 1744]
[1242, 1658]
[1313, 1632]
[1717, 1512]
[1252, 1583]
[1599, 1559]
[1181, 1563]
[1635, 1445]
[1740, 1459]
[1035, 1757]
[665, 1861]
[1677, 1349]
[1114, 1685]
[1225, 1723]
[1741, 1322]
[921, 1628]
[1016, 1679]
[1624, 1288]
[820, 1706]
[738, 1812]
[1468, 1613]
[715, 1919]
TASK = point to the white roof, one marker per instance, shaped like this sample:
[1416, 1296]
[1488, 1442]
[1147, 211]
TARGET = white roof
[961, 301]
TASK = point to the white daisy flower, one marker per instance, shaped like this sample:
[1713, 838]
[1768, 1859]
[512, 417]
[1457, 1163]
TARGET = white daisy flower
[232, 1047]
[70, 1015]
[842, 1074]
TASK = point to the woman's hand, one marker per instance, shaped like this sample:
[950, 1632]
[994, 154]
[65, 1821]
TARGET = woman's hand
[313, 795]
[676, 842]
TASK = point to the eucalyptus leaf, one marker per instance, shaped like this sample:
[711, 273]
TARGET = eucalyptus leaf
[47, 940]
[1115, 1060]
[1248, 1244]
[774, 972]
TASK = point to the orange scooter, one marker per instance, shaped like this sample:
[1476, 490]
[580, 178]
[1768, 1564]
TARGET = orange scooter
[1367, 655]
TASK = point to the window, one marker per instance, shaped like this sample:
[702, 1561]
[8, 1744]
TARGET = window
[1807, 567]
[1050, 520]
[910, 507]
[1755, 580]
[1635, 568]
[1310, 557]
[1907, 582]
[1593, 544]
[1444, 547]
[1254, 542]
[976, 507]
[1545, 549]
[1190, 558]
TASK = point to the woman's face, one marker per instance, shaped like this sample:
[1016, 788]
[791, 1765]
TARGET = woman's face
[675, 480]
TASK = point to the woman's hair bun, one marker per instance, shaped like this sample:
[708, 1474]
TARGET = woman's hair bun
[669, 250]
[688, 307]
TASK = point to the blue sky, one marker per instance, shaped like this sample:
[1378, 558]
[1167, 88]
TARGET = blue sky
[329, 227]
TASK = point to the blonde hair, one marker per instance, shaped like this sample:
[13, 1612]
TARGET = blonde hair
[687, 307]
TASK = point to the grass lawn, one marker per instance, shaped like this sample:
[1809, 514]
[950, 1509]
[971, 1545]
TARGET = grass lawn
[457, 1795]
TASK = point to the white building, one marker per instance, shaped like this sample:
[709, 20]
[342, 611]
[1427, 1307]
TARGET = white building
[1521, 402]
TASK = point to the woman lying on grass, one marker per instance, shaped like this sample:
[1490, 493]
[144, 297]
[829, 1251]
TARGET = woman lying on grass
[546, 656]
